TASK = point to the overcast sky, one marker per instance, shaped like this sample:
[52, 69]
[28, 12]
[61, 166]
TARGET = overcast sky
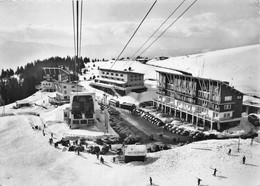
[108, 24]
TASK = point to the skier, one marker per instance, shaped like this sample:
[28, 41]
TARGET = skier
[215, 171]
[244, 160]
[199, 180]
[97, 155]
[101, 160]
[151, 181]
[114, 159]
[52, 135]
[229, 151]
[43, 133]
[50, 141]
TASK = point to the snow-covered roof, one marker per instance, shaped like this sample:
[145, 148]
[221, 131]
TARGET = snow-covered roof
[251, 101]
[135, 150]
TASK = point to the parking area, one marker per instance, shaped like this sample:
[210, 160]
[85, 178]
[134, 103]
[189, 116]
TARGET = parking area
[155, 127]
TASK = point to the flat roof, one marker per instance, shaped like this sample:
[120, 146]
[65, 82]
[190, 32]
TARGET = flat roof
[135, 150]
[111, 80]
[121, 71]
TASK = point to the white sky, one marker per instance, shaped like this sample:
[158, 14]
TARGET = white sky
[107, 25]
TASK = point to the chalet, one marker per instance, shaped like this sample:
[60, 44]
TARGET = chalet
[120, 82]
[64, 89]
[209, 103]
[46, 85]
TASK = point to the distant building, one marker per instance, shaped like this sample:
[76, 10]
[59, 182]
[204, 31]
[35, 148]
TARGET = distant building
[120, 82]
[47, 86]
[64, 89]
[142, 60]
[208, 103]
[161, 58]
[51, 76]
[56, 73]
[251, 105]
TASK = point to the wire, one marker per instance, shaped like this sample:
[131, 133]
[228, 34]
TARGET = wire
[74, 27]
[157, 29]
[169, 26]
[80, 28]
[133, 34]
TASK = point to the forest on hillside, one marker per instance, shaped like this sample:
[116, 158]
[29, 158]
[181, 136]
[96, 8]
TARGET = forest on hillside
[19, 84]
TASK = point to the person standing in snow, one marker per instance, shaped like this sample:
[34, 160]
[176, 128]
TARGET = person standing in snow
[151, 181]
[51, 134]
[229, 152]
[97, 155]
[50, 141]
[244, 160]
[101, 160]
[199, 180]
[78, 150]
[114, 159]
[215, 171]
[43, 133]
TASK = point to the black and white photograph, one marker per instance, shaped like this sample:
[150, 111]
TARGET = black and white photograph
[129, 92]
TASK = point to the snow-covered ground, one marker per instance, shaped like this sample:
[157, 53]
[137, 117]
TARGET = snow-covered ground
[26, 158]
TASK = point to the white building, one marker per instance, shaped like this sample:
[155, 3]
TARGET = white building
[121, 81]
[47, 86]
[64, 89]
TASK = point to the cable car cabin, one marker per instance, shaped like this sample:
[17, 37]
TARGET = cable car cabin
[128, 106]
[135, 153]
[114, 103]
[82, 110]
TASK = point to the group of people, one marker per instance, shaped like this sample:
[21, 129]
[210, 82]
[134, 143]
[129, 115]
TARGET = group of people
[215, 170]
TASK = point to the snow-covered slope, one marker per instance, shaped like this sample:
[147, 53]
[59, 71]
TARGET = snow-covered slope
[240, 66]
[26, 159]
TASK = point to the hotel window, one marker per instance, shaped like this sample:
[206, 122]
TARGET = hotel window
[107, 72]
[228, 98]
[239, 97]
[103, 72]
[112, 73]
[227, 107]
[116, 74]
[121, 75]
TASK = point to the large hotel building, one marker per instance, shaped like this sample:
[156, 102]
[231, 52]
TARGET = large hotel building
[204, 102]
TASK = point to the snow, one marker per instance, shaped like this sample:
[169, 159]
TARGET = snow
[239, 66]
[27, 159]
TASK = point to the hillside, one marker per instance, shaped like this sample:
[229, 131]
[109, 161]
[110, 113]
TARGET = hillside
[240, 66]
